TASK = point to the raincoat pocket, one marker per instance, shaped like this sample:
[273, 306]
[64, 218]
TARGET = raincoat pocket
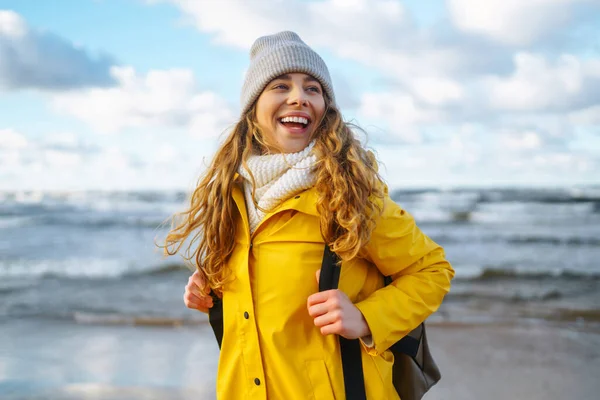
[319, 379]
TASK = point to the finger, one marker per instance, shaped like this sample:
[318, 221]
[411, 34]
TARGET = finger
[328, 319]
[318, 275]
[318, 309]
[319, 297]
[332, 329]
[199, 282]
[203, 300]
[197, 291]
[199, 278]
[199, 307]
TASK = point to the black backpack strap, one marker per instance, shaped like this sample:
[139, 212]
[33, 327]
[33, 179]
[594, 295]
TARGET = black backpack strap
[407, 345]
[354, 380]
[215, 317]
[330, 271]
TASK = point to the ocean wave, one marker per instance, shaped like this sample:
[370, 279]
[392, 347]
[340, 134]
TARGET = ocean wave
[569, 241]
[494, 206]
[38, 197]
[477, 237]
[99, 222]
[160, 270]
[108, 317]
[497, 273]
[545, 295]
[575, 314]
[132, 320]
[67, 268]
[491, 195]
[93, 220]
[7, 222]
[89, 269]
[29, 210]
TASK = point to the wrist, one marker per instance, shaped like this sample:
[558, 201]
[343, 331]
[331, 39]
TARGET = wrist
[365, 330]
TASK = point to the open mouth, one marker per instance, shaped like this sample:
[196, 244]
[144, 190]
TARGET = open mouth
[295, 124]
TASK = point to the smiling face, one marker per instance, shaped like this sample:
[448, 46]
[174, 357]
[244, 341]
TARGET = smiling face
[289, 111]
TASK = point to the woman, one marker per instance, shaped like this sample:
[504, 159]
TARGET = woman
[291, 177]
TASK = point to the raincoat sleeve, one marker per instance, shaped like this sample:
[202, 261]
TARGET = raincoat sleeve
[421, 278]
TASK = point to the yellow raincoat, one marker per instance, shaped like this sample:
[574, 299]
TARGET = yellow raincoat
[271, 348]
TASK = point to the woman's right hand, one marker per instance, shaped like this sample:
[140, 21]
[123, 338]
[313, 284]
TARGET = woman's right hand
[196, 294]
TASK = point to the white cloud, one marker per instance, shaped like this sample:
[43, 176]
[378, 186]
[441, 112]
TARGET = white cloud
[402, 112]
[114, 158]
[238, 22]
[437, 91]
[588, 117]
[11, 139]
[164, 98]
[63, 139]
[12, 146]
[61, 158]
[536, 84]
[166, 154]
[66, 161]
[41, 60]
[381, 35]
[527, 140]
[513, 22]
[461, 104]
[55, 150]
[61, 161]
[11, 24]
[475, 156]
[436, 78]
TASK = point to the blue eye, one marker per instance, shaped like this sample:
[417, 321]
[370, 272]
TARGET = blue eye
[315, 89]
[281, 85]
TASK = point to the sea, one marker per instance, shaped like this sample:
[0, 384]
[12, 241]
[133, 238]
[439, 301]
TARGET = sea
[92, 257]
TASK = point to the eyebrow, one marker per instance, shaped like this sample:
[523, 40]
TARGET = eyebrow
[307, 78]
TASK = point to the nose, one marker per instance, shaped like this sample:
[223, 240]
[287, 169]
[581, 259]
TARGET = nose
[298, 97]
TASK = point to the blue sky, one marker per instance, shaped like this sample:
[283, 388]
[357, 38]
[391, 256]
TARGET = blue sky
[133, 94]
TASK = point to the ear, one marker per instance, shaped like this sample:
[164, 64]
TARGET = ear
[318, 275]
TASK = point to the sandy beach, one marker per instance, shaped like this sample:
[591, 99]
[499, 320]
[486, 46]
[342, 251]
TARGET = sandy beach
[53, 360]
[497, 362]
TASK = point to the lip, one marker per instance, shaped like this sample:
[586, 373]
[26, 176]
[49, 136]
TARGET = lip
[296, 114]
[294, 130]
[297, 131]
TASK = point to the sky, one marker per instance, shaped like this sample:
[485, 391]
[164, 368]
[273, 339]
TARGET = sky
[137, 94]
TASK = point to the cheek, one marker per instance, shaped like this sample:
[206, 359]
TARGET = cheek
[264, 114]
[319, 109]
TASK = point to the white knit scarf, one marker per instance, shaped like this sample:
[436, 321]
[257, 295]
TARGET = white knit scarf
[278, 177]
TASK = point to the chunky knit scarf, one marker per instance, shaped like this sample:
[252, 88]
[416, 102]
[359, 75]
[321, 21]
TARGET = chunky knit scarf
[278, 177]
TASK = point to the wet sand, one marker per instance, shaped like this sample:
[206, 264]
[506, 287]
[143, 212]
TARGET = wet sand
[58, 360]
[516, 362]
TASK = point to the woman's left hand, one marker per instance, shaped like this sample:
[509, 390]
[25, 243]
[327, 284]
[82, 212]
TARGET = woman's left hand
[333, 312]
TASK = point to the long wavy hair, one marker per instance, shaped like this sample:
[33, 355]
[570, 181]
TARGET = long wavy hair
[347, 182]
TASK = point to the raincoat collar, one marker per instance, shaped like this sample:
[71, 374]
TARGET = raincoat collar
[305, 202]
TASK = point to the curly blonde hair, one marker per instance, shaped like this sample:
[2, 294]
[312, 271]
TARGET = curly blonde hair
[347, 182]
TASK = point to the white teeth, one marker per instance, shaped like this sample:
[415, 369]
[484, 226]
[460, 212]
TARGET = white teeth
[295, 119]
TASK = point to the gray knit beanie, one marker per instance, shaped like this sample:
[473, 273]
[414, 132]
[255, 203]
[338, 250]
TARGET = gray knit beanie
[278, 54]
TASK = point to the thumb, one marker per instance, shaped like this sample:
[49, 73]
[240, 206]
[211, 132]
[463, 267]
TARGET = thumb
[318, 275]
